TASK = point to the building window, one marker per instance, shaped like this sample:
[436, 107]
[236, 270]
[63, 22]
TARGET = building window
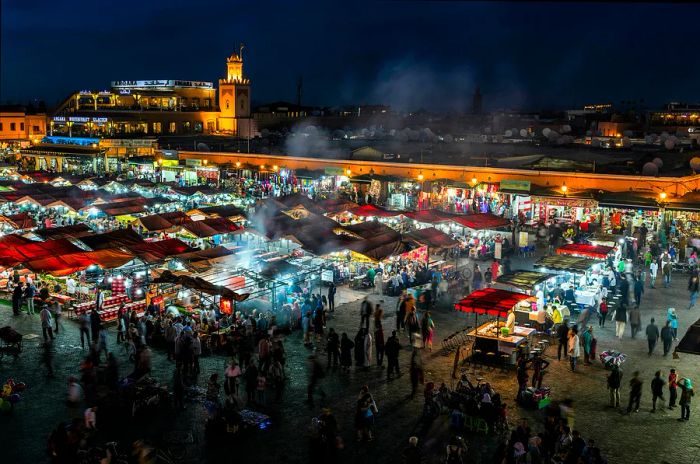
[0, 127]
[156, 128]
[173, 128]
[21, 126]
[36, 129]
[210, 126]
[195, 102]
[186, 126]
[226, 104]
[13, 126]
[207, 103]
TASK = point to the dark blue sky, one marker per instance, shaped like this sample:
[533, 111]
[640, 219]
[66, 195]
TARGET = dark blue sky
[408, 54]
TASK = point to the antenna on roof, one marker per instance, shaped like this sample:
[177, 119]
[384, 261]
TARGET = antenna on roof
[240, 51]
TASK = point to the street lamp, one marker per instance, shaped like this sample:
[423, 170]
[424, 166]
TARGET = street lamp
[663, 196]
[474, 180]
[564, 188]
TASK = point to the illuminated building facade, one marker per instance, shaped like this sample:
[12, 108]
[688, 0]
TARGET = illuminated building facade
[19, 125]
[154, 107]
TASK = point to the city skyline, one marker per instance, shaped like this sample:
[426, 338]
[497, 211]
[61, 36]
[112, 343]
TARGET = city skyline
[522, 55]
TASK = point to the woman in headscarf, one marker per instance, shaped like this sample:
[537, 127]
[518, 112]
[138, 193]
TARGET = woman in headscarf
[360, 348]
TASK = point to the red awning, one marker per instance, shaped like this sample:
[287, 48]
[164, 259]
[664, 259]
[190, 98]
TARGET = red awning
[66, 264]
[432, 237]
[153, 252]
[429, 216]
[588, 251]
[373, 211]
[481, 221]
[490, 301]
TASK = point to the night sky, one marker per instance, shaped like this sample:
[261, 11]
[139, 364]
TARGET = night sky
[408, 54]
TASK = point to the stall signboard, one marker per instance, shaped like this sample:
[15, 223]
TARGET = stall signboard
[515, 186]
[327, 275]
[570, 202]
[522, 239]
[334, 171]
[497, 250]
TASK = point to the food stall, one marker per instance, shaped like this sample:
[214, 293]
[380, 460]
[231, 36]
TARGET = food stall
[496, 341]
[531, 282]
[569, 268]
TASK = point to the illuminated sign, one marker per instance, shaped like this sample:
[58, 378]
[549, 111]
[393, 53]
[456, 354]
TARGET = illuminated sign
[156, 84]
[59, 119]
[99, 119]
[78, 119]
[124, 91]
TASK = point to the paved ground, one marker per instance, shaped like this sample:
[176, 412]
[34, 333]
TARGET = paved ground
[642, 437]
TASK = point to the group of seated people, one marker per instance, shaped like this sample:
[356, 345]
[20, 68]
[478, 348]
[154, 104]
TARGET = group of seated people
[478, 401]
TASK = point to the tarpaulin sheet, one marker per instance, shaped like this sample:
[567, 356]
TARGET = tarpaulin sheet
[373, 211]
[584, 250]
[526, 280]
[113, 239]
[432, 237]
[72, 231]
[203, 255]
[200, 285]
[490, 301]
[565, 263]
[70, 263]
[153, 252]
[429, 216]
[480, 221]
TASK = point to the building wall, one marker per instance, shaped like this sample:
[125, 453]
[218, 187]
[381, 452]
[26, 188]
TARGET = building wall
[20, 126]
[673, 186]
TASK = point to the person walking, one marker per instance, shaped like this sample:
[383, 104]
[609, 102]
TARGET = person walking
[17, 298]
[46, 323]
[602, 312]
[401, 311]
[693, 288]
[635, 321]
[574, 348]
[379, 342]
[332, 290]
[638, 290]
[416, 371]
[624, 287]
[672, 389]
[392, 348]
[673, 319]
[667, 337]
[635, 393]
[653, 271]
[346, 346]
[614, 383]
[687, 394]
[365, 313]
[369, 344]
[666, 271]
[620, 321]
[587, 345]
[332, 348]
[427, 328]
[30, 292]
[657, 390]
[652, 335]
[562, 337]
[95, 323]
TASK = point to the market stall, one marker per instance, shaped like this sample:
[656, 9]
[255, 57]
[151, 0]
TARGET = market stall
[578, 281]
[586, 251]
[497, 340]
